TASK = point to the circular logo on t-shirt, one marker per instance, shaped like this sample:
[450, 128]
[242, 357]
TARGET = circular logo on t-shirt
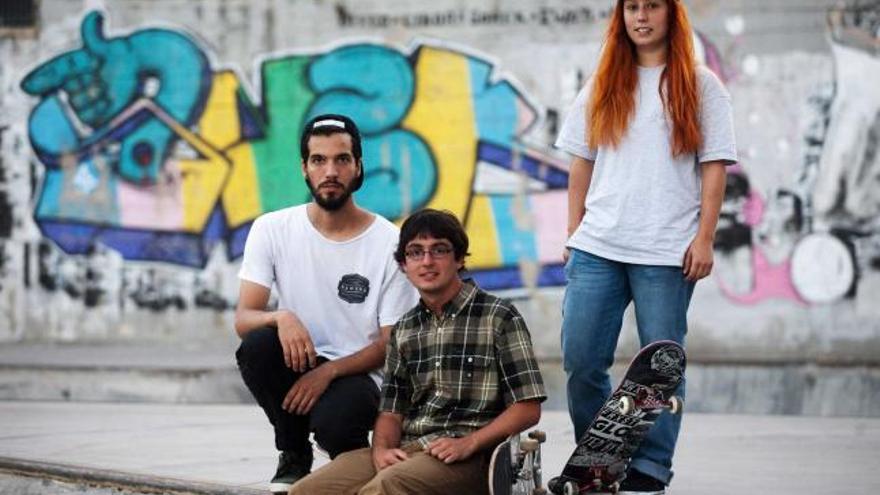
[353, 288]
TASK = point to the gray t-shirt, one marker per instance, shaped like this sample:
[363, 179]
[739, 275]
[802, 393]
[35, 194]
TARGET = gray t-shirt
[643, 204]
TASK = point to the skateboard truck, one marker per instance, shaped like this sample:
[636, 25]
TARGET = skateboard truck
[515, 467]
[572, 488]
[644, 400]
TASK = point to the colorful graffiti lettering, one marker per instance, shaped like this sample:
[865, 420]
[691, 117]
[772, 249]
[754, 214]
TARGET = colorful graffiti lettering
[150, 152]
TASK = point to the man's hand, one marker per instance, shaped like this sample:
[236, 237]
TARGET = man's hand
[303, 395]
[299, 352]
[451, 450]
[698, 259]
[383, 458]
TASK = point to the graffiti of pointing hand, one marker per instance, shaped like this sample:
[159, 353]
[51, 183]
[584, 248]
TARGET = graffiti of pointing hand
[107, 75]
[94, 77]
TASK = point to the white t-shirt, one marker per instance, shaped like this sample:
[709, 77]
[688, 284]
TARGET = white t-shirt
[643, 205]
[341, 291]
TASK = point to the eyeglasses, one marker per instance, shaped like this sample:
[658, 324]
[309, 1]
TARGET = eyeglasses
[437, 252]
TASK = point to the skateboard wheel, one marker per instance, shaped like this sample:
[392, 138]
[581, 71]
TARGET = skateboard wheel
[570, 488]
[676, 404]
[627, 405]
[529, 445]
[538, 435]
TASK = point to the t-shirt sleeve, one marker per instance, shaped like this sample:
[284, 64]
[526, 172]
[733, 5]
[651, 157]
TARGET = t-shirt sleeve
[520, 376]
[716, 122]
[396, 384]
[572, 136]
[398, 295]
[257, 262]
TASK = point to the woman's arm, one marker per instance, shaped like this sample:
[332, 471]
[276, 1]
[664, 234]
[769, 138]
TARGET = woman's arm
[579, 175]
[698, 259]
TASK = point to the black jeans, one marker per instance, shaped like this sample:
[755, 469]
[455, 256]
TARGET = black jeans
[340, 419]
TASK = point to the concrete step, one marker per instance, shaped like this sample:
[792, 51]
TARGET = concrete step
[207, 373]
[194, 372]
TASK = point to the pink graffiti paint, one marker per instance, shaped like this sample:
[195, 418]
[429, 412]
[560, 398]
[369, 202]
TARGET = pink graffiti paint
[753, 209]
[550, 224]
[146, 207]
[770, 281]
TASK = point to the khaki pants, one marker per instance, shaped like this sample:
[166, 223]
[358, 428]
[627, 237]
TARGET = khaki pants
[352, 473]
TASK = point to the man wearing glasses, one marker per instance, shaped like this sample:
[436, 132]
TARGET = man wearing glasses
[460, 377]
[313, 364]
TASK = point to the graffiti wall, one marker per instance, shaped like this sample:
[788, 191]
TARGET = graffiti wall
[810, 235]
[150, 152]
[138, 146]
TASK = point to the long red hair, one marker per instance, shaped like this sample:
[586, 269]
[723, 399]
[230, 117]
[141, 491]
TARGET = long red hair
[612, 101]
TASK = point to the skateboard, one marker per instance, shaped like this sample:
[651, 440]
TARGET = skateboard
[515, 466]
[603, 453]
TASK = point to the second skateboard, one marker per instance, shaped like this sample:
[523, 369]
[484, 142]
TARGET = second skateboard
[603, 453]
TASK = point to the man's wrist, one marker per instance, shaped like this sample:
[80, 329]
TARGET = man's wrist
[473, 441]
[275, 317]
[332, 368]
[379, 447]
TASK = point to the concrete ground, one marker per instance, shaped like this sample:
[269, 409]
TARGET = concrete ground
[228, 449]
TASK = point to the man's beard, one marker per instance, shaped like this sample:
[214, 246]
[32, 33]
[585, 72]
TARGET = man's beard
[330, 204]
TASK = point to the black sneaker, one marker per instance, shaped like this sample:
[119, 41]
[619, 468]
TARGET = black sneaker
[291, 467]
[637, 483]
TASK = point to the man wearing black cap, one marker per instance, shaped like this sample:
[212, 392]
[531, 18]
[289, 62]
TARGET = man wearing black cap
[313, 364]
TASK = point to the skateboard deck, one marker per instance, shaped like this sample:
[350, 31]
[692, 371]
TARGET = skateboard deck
[603, 453]
[515, 466]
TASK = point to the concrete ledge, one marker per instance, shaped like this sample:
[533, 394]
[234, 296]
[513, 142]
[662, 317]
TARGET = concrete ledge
[106, 478]
[195, 372]
[208, 375]
[760, 388]
[185, 386]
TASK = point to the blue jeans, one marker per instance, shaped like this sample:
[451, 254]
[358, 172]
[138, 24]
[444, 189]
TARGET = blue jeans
[598, 292]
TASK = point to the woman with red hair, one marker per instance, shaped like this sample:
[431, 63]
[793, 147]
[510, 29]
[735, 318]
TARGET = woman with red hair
[650, 134]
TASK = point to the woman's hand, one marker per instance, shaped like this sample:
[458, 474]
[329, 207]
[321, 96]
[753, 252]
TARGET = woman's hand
[698, 259]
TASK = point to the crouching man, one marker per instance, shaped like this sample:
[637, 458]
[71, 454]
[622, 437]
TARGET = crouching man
[460, 376]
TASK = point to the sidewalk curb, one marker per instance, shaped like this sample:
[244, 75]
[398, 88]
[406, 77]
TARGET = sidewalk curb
[117, 479]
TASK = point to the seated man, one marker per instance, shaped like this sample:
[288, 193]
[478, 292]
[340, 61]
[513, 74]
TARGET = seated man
[460, 377]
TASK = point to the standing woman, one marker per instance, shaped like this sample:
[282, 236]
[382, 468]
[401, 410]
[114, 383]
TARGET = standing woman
[650, 134]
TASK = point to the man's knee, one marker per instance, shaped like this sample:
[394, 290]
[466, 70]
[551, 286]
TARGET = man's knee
[257, 346]
[424, 474]
[343, 418]
[343, 476]
[387, 482]
[342, 432]
[410, 476]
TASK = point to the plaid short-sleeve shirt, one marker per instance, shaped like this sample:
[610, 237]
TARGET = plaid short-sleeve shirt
[450, 375]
